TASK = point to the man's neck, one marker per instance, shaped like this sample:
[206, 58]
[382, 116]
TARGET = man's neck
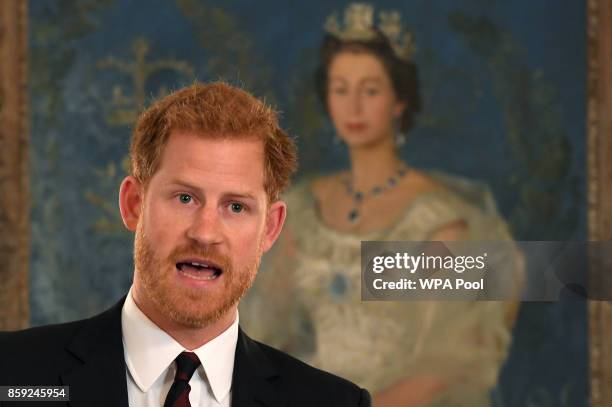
[189, 338]
[193, 338]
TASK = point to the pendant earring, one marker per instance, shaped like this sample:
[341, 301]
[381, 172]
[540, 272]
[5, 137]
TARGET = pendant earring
[400, 139]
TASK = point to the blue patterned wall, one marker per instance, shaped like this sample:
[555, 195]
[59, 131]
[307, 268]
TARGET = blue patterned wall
[504, 89]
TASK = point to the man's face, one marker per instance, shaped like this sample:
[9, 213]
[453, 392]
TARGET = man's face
[203, 223]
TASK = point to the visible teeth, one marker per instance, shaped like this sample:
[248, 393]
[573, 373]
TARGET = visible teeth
[199, 276]
[199, 265]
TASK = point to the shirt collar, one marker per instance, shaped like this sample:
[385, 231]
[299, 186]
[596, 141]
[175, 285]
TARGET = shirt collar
[149, 351]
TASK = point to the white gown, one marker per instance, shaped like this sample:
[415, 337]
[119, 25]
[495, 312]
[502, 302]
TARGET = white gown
[306, 301]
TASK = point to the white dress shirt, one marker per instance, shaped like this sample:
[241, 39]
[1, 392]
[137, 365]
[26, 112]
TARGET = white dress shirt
[149, 357]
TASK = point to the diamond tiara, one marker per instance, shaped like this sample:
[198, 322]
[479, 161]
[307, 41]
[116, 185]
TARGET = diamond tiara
[359, 26]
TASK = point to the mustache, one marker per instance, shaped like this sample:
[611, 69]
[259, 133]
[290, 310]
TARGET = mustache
[210, 253]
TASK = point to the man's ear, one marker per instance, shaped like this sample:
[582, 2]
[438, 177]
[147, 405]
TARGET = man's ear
[130, 201]
[277, 213]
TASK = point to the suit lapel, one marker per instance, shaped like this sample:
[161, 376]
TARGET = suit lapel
[98, 377]
[255, 378]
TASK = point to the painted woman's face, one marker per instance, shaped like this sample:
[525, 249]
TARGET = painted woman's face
[361, 100]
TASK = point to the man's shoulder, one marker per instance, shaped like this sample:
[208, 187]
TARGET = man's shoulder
[289, 365]
[33, 355]
[40, 353]
[315, 385]
[42, 338]
[38, 337]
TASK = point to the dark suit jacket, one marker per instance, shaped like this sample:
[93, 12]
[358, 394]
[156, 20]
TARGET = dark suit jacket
[88, 356]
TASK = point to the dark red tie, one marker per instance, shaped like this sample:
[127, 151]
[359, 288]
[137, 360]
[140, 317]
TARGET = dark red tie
[186, 364]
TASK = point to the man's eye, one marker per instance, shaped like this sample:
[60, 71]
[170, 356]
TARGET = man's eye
[372, 91]
[184, 198]
[236, 207]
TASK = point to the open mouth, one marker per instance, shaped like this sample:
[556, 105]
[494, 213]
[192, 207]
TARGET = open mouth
[199, 270]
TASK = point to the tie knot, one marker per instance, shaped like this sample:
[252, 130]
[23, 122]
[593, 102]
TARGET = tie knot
[186, 364]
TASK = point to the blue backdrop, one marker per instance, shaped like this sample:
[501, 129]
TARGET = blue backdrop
[504, 90]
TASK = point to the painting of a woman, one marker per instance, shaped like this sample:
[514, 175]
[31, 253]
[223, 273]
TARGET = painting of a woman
[308, 297]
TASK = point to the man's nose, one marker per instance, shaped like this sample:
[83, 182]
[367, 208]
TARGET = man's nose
[206, 226]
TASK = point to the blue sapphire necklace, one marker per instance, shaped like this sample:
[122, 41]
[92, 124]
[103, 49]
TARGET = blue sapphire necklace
[358, 197]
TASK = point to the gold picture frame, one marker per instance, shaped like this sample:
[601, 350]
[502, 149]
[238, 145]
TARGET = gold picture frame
[14, 182]
[599, 161]
[14, 164]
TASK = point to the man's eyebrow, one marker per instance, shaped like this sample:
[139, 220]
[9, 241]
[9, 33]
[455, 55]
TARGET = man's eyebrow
[185, 184]
[241, 195]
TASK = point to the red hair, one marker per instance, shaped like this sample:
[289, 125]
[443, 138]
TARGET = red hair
[213, 110]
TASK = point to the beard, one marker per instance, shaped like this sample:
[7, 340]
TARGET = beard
[190, 307]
